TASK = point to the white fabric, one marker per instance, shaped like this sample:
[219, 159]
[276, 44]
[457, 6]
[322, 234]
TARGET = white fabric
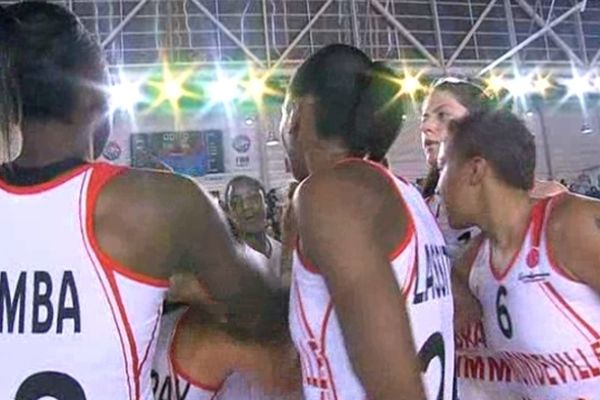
[327, 371]
[541, 328]
[45, 241]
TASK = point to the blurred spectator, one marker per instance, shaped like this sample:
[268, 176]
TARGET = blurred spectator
[246, 204]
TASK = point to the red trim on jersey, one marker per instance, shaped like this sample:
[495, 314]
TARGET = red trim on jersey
[179, 372]
[566, 305]
[306, 263]
[560, 309]
[535, 219]
[152, 337]
[308, 332]
[554, 264]
[101, 175]
[106, 295]
[43, 187]
[323, 351]
[128, 330]
[401, 246]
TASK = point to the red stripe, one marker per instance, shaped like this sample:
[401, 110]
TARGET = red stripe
[534, 220]
[553, 301]
[131, 338]
[303, 314]
[391, 179]
[566, 305]
[34, 189]
[178, 371]
[304, 358]
[101, 175]
[125, 360]
[323, 351]
[305, 327]
[147, 352]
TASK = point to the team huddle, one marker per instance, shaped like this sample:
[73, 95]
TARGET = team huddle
[121, 283]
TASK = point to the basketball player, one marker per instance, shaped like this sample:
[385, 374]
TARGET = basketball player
[88, 247]
[363, 311]
[534, 271]
[450, 99]
[246, 206]
[209, 362]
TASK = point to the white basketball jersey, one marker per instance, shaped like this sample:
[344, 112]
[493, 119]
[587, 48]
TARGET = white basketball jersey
[422, 269]
[542, 329]
[74, 324]
[164, 369]
[456, 239]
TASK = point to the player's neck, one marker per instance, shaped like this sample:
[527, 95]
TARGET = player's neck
[325, 156]
[506, 218]
[49, 143]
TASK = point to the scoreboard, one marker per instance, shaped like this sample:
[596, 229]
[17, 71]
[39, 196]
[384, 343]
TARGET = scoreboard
[193, 153]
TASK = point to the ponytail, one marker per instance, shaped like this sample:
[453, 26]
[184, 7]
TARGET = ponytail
[377, 118]
[357, 99]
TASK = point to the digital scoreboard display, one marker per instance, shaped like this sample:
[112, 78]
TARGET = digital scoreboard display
[193, 153]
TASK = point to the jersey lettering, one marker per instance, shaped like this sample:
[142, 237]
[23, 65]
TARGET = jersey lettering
[162, 388]
[433, 281]
[46, 309]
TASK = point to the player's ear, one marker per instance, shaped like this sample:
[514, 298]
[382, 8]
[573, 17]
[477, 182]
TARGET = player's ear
[477, 168]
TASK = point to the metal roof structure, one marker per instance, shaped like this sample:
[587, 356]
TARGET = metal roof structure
[442, 36]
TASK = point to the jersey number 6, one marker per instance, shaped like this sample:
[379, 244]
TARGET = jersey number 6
[502, 315]
[50, 384]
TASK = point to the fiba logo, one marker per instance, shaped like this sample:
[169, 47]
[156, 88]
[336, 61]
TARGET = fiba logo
[241, 144]
[112, 151]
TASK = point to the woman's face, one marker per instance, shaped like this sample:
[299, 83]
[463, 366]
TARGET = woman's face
[438, 110]
[247, 208]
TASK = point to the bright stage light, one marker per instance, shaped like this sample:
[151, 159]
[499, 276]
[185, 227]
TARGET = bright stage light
[411, 84]
[519, 86]
[579, 85]
[223, 90]
[171, 88]
[542, 84]
[596, 83]
[256, 87]
[495, 84]
[125, 96]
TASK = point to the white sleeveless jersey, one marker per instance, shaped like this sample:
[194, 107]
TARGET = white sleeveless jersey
[542, 329]
[456, 239]
[422, 271]
[164, 369]
[74, 324]
[234, 387]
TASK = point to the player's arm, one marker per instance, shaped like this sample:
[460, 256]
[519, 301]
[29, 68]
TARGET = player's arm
[166, 224]
[574, 235]
[341, 223]
[467, 308]
[210, 251]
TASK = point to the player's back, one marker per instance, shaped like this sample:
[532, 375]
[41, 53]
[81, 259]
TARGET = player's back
[422, 270]
[74, 323]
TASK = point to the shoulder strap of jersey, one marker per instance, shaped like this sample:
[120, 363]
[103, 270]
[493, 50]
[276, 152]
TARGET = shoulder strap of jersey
[102, 173]
[391, 179]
